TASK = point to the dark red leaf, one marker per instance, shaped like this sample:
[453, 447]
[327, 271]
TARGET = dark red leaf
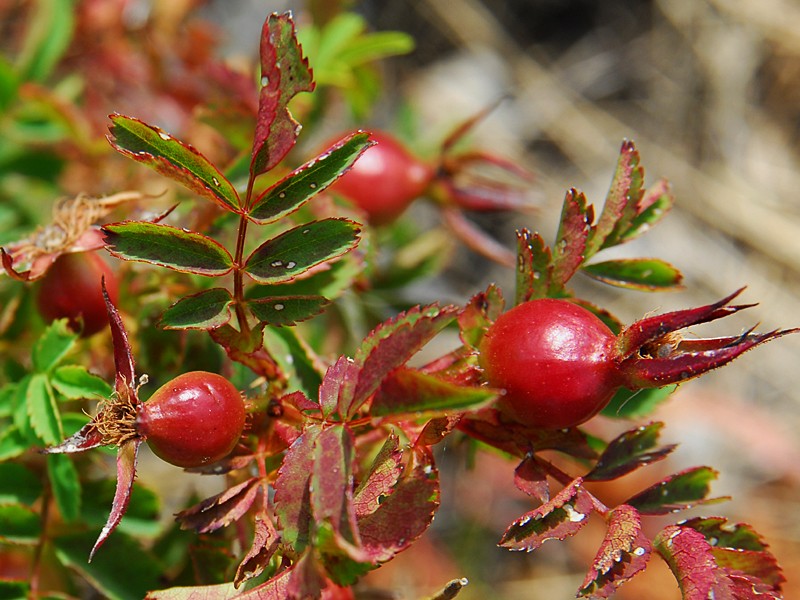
[384, 473]
[479, 313]
[332, 482]
[557, 519]
[221, 509]
[474, 238]
[248, 349]
[628, 452]
[404, 514]
[126, 473]
[530, 478]
[436, 430]
[573, 232]
[284, 73]
[623, 553]
[330, 391]
[534, 267]
[292, 490]
[265, 542]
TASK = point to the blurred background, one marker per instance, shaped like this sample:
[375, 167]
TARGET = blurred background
[709, 90]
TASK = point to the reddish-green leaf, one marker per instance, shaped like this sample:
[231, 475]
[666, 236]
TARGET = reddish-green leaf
[409, 391]
[623, 553]
[482, 310]
[208, 309]
[221, 591]
[677, 492]
[690, 559]
[248, 349]
[655, 204]
[623, 197]
[389, 346]
[381, 478]
[573, 233]
[530, 478]
[646, 274]
[404, 514]
[221, 509]
[284, 73]
[265, 543]
[292, 490]
[160, 151]
[332, 481]
[628, 452]
[737, 547]
[286, 310]
[304, 183]
[126, 472]
[172, 247]
[330, 390]
[534, 267]
[557, 519]
[294, 252]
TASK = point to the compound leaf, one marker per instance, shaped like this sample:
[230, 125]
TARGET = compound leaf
[208, 309]
[221, 509]
[629, 451]
[167, 246]
[286, 310]
[310, 179]
[557, 519]
[56, 341]
[409, 391]
[159, 150]
[284, 74]
[677, 492]
[647, 274]
[74, 382]
[296, 251]
[45, 419]
[624, 553]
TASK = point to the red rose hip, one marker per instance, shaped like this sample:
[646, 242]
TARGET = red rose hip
[554, 359]
[193, 420]
[71, 289]
[384, 180]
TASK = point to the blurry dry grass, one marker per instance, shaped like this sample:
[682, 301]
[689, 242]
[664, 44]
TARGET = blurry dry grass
[710, 92]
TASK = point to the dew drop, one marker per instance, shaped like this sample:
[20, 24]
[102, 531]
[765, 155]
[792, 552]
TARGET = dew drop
[276, 263]
[573, 515]
[537, 275]
[639, 551]
[282, 195]
[278, 306]
[164, 135]
[71, 448]
[264, 80]
[216, 181]
[312, 185]
[305, 231]
[291, 264]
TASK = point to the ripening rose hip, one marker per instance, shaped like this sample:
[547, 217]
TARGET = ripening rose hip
[71, 290]
[193, 420]
[559, 364]
[384, 180]
[554, 359]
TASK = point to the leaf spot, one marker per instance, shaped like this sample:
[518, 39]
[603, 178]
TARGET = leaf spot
[312, 185]
[279, 306]
[573, 515]
[291, 264]
[276, 263]
[282, 195]
[305, 231]
[537, 275]
[216, 181]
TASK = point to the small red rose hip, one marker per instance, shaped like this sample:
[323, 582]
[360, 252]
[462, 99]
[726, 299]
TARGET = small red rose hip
[554, 359]
[193, 420]
[71, 290]
[384, 180]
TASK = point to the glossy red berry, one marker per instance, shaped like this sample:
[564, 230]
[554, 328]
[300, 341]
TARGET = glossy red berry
[384, 180]
[71, 289]
[554, 359]
[193, 420]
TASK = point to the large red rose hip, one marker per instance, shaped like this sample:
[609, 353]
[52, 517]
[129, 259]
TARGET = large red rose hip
[560, 365]
[553, 358]
[193, 420]
[71, 289]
